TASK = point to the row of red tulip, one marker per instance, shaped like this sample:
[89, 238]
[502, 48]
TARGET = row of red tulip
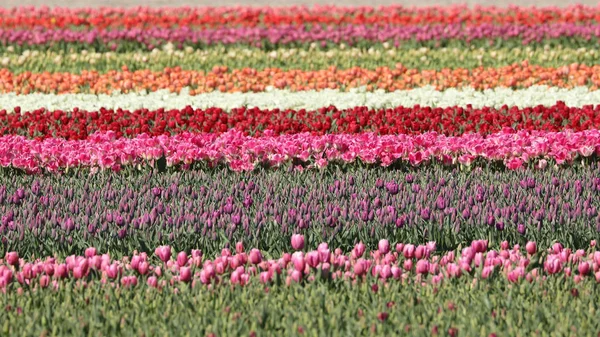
[452, 121]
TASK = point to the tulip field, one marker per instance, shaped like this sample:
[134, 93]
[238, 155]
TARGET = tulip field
[300, 171]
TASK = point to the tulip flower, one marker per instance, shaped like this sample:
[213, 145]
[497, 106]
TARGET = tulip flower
[298, 241]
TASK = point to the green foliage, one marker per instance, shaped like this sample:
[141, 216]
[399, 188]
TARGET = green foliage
[334, 308]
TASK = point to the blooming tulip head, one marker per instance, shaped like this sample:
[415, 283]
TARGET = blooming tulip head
[384, 246]
[298, 241]
[163, 253]
[359, 249]
[531, 248]
[185, 274]
[12, 258]
[90, 252]
[182, 259]
[255, 256]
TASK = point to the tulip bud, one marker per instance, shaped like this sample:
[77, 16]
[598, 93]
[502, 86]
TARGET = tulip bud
[239, 247]
[182, 259]
[152, 281]
[90, 252]
[422, 267]
[531, 248]
[12, 258]
[185, 274]
[255, 256]
[298, 241]
[143, 268]
[584, 268]
[359, 249]
[163, 253]
[384, 246]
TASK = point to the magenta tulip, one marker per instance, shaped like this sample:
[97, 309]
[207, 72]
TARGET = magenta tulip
[89, 252]
[255, 257]
[531, 248]
[384, 246]
[12, 258]
[182, 259]
[152, 281]
[185, 274]
[298, 241]
[584, 268]
[359, 249]
[163, 253]
[143, 268]
[422, 267]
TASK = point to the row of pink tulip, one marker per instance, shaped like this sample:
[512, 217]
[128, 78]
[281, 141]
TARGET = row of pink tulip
[404, 262]
[243, 153]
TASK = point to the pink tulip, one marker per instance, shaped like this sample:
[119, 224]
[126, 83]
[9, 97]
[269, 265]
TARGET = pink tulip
[91, 251]
[421, 252]
[182, 259]
[152, 281]
[298, 261]
[409, 251]
[78, 273]
[255, 257]
[422, 267]
[12, 258]
[239, 247]
[359, 249]
[163, 253]
[143, 268]
[557, 248]
[386, 272]
[298, 241]
[61, 271]
[384, 246]
[49, 269]
[264, 277]
[324, 255]
[399, 247]
[360, 267]
[312, 259]
[486, 272]
[185, 274]
[408, 264]
[296, 275]
[504, 245]
[44, 281]
[196, 253]
[479, 246]
[584, 268]
[531, 248]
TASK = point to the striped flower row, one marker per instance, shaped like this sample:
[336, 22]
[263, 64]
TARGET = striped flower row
[299, 34]
[78, 124]
[342, 57]
[243, 153]
[26, 17]
[253, 80]
[399, 263]
[309, 100]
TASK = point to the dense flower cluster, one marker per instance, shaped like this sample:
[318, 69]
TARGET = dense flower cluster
[308, 100]
[343, 57]
[253, 80]
[399, 263]
[454, 121]
[268, 16]
[211, 208]
[243, 153]
[299, 34]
